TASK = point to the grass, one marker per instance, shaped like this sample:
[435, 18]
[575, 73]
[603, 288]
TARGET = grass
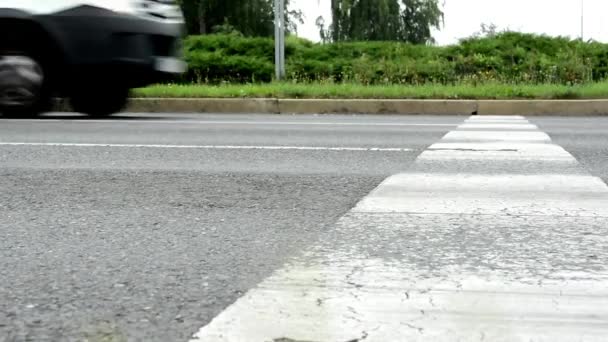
[358, 91]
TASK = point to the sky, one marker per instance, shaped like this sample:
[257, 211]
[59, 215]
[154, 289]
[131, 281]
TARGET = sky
[464, 17]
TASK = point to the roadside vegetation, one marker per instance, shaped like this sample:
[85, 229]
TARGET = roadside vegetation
[325, 90]
[507, 57]
[497, 66]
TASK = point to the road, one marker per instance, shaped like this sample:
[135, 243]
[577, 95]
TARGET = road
[147, 227]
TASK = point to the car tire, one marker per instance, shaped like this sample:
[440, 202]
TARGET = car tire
[100, 102]
[24, 83]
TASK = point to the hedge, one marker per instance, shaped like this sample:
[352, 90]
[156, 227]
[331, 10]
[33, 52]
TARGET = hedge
[508, 57]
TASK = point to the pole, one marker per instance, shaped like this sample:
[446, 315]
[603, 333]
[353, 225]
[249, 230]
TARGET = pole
[582, 20]
[282, 33]
[277, 49]
[279, 38]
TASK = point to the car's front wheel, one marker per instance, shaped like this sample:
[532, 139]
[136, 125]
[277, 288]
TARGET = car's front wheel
[100, 102]
[24, 88]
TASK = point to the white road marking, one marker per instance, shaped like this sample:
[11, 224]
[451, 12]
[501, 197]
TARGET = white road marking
[496, 117]
[497, 136]
[348, 299]
[494, 126]
[446, 257]
[496, 121]
[214, 147]
[231, 122]
[546, 149]
[404, 184]
[497, 151]
[504, 155]
[572, 195]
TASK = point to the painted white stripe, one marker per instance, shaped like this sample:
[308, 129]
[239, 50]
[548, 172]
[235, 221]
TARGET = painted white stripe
[494, 204]
[377, 300]
[548, 149]
[511, 122]
[135, 120]
[446, 257]
[451, 155]
[506, 121]
[493, 126]
[497, 151]
[496, 117]
[497, 136]
[215, 147]
[549, 195]
[403, 185]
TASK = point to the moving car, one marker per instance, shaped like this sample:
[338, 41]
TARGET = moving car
[90, 51]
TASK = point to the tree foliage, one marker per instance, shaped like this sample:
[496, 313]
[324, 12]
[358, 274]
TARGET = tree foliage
[248, 17]
[383, 20]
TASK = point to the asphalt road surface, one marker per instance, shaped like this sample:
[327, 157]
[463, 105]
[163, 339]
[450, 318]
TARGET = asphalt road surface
[146, 227]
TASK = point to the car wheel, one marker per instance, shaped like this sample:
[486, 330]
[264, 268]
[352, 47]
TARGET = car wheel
[100, 103]
[24, 87]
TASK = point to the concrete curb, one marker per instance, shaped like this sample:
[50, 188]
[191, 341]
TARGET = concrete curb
[347, 106]
[302, 106]
[409, 107]
[268, 106]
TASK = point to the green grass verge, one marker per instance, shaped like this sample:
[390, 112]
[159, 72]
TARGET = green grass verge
[357, 91]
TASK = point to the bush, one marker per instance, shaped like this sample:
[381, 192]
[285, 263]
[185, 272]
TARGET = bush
[507, 57]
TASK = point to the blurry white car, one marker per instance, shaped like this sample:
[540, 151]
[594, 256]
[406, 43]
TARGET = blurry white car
[90, 51]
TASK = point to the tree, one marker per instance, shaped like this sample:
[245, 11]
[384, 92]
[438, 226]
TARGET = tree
[249, 17]
[406, 20]
[374, 20]
[419, 17]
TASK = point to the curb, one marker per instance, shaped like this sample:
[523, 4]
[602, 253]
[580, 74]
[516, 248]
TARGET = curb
[347, 106]
[302, 106]
[159, 105]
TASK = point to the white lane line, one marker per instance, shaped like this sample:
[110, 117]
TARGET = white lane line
[215, 147]
[230, 122]
[497, 136]
[445, 257]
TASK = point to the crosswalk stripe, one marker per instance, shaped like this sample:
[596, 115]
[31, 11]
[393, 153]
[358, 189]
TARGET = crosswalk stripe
[524, 147]
[497, 121]
[572, 195]
[497, 117]
[514, 126]
[447, 257]
[517, 136]
[497, 151]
